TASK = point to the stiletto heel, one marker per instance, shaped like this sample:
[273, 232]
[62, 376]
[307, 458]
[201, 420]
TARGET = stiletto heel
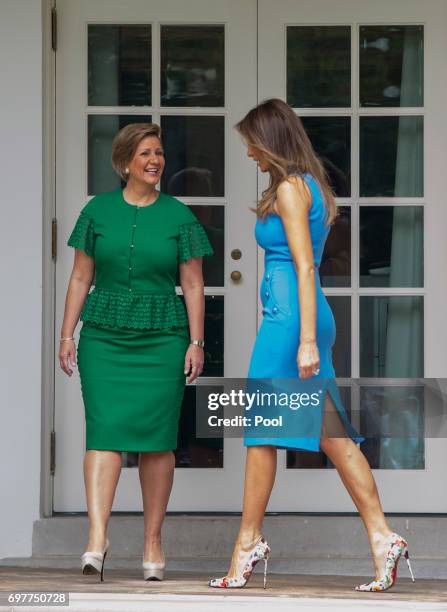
[102, 566]
[247, 563]
[398, 548]
[93, 562]
[265, 571]
[407, 559]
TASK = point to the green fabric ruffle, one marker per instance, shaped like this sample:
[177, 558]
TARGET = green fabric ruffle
[82, 236]
[193, 242]
[111, 308]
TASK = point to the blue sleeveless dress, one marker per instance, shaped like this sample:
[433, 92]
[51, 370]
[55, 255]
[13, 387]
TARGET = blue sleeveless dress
[275, 351]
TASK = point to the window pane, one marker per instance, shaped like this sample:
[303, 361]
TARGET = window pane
[391, 156]
[391, 65]
[193, 452]
[129, 460]
[392, 421]
[192, 65]
[391, 246]
[319, 66]
[101, 132]
[213, 220]
[194, 160]
[214, 336]
[331, 139]
[119, 65]
[392, 336]
[341, 358]
[335, 267]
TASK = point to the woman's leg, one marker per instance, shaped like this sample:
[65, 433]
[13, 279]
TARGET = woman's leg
[260, 471]
[356, 475]
[156, 476]
[101, 474]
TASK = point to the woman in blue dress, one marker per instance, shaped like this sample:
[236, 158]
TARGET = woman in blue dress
[295, 340]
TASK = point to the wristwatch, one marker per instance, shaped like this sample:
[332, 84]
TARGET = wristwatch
[200, 343]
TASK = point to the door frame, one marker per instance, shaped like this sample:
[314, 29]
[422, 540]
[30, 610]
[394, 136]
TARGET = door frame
[272, 22]
[240, 25]
[48, 262]
[433, 367]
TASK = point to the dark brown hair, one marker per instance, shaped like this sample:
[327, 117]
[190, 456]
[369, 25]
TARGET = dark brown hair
[278, 133]
[126, 142]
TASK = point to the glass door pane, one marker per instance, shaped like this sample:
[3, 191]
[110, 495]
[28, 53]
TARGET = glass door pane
[110, 73]
[362, 92]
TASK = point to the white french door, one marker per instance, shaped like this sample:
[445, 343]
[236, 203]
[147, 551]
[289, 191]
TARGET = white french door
[192, 68]
[366, 79]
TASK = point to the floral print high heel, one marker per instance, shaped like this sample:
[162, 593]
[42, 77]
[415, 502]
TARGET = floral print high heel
[398, 547]
[246, 564]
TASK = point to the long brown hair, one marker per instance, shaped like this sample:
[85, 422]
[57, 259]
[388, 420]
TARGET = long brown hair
[278, 133]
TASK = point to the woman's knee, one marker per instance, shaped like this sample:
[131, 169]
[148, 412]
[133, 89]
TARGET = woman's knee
[330, 444]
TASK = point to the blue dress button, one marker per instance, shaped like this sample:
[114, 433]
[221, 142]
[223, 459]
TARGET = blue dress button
[275, 310]
[267, 294]
[267, 278]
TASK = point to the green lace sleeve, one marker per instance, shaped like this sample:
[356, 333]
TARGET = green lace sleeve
[82, 237]
[193, 241]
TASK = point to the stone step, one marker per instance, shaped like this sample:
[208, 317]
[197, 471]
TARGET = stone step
[300, 543]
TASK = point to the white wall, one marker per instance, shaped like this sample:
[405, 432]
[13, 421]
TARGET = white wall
[21, 271]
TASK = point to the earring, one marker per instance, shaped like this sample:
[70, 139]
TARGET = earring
[126, 170]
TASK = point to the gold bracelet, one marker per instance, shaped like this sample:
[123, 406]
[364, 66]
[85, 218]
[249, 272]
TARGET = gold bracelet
[68, 338]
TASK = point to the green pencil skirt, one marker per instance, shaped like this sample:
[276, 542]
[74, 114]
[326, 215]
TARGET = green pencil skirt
[132, 384]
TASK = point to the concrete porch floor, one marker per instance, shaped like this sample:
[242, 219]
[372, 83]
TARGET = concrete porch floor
[21, 579]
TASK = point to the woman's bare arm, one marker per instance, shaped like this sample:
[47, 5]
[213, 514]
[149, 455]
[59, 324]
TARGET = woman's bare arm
[191, 281]
[78, 287]
[293, 203]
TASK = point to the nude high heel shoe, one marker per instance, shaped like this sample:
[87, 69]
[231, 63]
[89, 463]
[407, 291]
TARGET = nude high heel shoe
[93, 562]
[398, 548]
[154, 570]
[246, 564]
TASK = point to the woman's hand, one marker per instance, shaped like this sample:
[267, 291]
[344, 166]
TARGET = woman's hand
[308, 359]
[194, 360]
[67, 356]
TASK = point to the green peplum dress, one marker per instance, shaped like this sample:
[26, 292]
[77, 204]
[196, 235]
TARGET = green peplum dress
[135, 332]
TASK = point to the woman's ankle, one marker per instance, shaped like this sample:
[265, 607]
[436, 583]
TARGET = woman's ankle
[248, 537]
[97, 538]
[152, 540]
[380, 536]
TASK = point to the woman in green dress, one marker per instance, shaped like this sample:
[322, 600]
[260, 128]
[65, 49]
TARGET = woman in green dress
[135, 348]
